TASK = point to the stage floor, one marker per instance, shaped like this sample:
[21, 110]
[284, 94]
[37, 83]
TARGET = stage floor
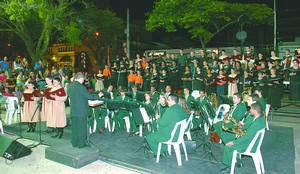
[280, 150]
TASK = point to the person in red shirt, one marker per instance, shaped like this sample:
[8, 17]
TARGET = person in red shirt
[6, 92]
[3, 77]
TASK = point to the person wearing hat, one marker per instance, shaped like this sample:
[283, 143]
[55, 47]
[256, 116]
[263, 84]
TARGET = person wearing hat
[79, 110]
[122, 112]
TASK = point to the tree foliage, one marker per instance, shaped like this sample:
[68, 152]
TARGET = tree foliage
[96, 29]
[203, 19]
[34, 21]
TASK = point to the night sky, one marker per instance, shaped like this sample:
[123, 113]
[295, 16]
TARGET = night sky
[288, 18]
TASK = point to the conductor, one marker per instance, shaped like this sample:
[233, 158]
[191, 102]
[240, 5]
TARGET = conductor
[80, 110]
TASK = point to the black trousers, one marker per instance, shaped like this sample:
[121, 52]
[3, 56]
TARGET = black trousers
[79, 131]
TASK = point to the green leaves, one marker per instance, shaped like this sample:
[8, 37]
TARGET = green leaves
[17, 10]
[203, 19]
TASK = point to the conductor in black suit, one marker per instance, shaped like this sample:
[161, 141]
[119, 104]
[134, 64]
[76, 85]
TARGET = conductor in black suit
[80, 110]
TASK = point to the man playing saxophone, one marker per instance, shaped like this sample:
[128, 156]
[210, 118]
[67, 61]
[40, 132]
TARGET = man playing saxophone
[242, 143]
[241, 127]
[237, 113]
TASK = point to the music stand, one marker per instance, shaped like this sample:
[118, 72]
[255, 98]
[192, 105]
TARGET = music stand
[227, 99]
[130, 106]
[206, 141]
[140, 117]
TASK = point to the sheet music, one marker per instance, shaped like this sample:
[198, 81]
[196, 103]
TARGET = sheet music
[95, 102]
[145, 115]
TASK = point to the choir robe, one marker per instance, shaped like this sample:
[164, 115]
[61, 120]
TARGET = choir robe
[294, 75]
[58, 114]
[30, 106]
[46, 104]
[275, 92]
[232, 84]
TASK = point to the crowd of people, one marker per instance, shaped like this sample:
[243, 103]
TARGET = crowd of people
[163, 86]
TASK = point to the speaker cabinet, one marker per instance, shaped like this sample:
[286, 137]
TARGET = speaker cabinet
[11, 149]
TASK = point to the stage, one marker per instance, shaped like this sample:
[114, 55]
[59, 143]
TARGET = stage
[278, 152]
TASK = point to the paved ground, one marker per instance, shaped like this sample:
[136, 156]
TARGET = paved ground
[36, 162]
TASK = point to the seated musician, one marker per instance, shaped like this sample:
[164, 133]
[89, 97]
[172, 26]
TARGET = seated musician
[150, 107]
[237, 112]
[201, 100]
[188, 98]
[122, 112]
[166, 125]
[262, 100]
[135, 95]
[242, 143]
[228, 135]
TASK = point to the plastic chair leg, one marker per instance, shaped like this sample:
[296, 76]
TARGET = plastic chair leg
[141, 130]
[261, 162]
[107, 123]
[127, 124]
[158, 152]
[185, 152]
[233, 162]
[257, 165]
[177, 153]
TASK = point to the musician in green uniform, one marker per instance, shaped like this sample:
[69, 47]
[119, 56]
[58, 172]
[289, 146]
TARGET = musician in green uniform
[102, 111]
[229, 135]
[262, 101]
[241, 144]
[201, 101]
[79, 110]
[237, 112]
[166, 125]
[122, 112]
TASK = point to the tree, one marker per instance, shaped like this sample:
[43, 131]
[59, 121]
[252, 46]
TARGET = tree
[203, 19]
[97, 29]
[35, 21]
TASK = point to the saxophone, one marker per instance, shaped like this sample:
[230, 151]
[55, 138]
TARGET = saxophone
[237, 129]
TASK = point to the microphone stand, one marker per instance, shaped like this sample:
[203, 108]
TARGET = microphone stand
[20, 117]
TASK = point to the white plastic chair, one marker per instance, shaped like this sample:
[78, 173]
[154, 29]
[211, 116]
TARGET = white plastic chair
[189, 126]
[1, 128]
[256, 156]
[11, 110]
[175, 143]
[268, 107]
[127, 123]
[226, 110]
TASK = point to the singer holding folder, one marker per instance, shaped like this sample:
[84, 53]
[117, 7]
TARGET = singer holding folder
[80, 110]
[30, 99]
